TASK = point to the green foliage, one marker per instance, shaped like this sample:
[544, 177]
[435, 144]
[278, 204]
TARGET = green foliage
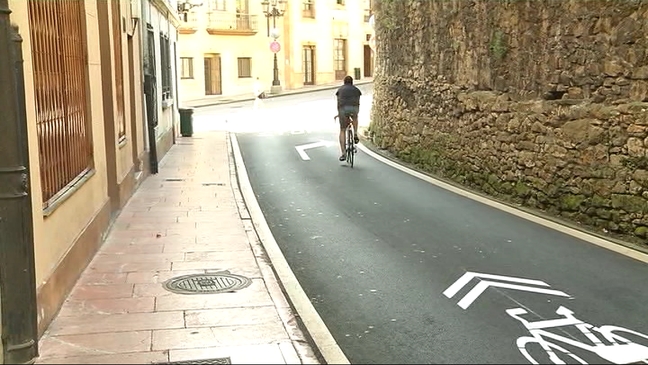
[498, 46]
[640, 162]
[387, 13]
[571, 202]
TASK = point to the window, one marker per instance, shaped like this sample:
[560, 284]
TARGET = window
[60, 88]
[119, 69]
[186, 68]
[368, 10]
[150, 77]
[308, 62]
[165, 65]
[308, 10]
[244, 67]
[242, 7]
[339, 58]
[217, 5]
[190, 16]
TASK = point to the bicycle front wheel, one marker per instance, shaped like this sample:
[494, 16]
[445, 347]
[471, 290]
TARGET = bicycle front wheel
[549, 353]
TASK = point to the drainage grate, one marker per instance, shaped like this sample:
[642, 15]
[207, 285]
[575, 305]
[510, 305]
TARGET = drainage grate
[214, 183]
[173, 179]
[219, 282]
[221, 360]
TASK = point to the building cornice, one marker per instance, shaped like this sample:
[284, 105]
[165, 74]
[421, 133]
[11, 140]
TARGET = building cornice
[169, 13]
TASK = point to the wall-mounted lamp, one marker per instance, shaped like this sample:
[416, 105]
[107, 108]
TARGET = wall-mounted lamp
[185, 6]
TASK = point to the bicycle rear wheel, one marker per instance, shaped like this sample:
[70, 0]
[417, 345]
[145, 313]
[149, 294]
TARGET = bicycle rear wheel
[350, 148]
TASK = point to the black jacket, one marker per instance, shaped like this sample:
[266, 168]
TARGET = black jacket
[348, 95]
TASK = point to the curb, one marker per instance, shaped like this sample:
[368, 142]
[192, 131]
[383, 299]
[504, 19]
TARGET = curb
[272, 96]
[299, 338]
[319, 336]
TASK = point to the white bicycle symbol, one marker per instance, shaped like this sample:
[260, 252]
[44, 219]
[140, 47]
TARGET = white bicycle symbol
[618, 350]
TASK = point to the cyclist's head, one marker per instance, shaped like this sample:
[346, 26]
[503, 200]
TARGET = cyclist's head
[348, 80]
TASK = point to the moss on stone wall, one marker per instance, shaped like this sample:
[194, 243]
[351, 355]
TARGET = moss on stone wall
[541, 103]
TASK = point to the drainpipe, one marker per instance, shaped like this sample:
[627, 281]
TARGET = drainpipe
[18, 316]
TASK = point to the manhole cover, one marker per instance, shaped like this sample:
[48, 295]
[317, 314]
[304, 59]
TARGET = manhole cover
[218, 282]
[222, 360]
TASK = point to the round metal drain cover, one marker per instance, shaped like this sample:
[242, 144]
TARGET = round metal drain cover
[212, 283]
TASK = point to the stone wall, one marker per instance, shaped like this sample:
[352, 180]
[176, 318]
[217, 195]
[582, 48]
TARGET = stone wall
[542, 103]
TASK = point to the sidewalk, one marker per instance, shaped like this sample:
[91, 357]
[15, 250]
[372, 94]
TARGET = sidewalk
[188, 219]
[227, 99]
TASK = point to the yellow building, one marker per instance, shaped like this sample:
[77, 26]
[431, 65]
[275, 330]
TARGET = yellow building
[80, 109]
[326, 40]
[224, 45]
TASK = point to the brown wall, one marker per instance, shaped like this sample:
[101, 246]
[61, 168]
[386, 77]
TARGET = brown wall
[539, 103]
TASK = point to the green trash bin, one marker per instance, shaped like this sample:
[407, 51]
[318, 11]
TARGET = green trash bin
[186, 122]
[357, 73]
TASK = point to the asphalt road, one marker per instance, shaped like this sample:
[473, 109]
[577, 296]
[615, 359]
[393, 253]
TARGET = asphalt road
[378, 250]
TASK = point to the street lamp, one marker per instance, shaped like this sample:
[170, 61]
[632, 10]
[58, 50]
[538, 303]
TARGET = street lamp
[274, 47]
[185, 6]
[274, 9]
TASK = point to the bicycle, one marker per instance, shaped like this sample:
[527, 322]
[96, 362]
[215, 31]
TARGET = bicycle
[350, 148]
[617, 350]
[350, 142]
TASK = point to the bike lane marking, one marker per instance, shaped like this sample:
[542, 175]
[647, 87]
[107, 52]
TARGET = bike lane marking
[619, 350]
[481, 287]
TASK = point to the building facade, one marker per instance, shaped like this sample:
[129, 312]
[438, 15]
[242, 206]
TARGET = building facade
[95, 100]
[224, 45]
[159, 26]
[223, 48]
[326, 40]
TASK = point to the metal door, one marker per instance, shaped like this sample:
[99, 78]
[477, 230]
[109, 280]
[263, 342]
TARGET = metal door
[150, 93]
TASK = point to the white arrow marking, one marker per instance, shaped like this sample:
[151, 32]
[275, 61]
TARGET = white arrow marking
[475, 292]
[472, 295]
[302, 149]
[465, 279]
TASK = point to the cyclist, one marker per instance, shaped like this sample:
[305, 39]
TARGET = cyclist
[348, 104]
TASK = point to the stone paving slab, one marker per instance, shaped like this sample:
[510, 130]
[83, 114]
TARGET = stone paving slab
[188, 219]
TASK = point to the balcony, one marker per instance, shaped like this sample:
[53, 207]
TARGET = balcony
[308, 9]
[221, 23]
[367, 15]
[189, 23]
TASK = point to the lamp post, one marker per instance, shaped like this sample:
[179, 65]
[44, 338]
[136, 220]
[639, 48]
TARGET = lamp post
[18, 315]
[274, 9]
[185, 6]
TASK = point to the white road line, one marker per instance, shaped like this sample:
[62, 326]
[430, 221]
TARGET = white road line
[627, 251]
[302, 148]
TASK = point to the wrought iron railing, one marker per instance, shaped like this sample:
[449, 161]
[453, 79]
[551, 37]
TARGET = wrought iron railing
[60, 85]
[189, 19]
[232, 21]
